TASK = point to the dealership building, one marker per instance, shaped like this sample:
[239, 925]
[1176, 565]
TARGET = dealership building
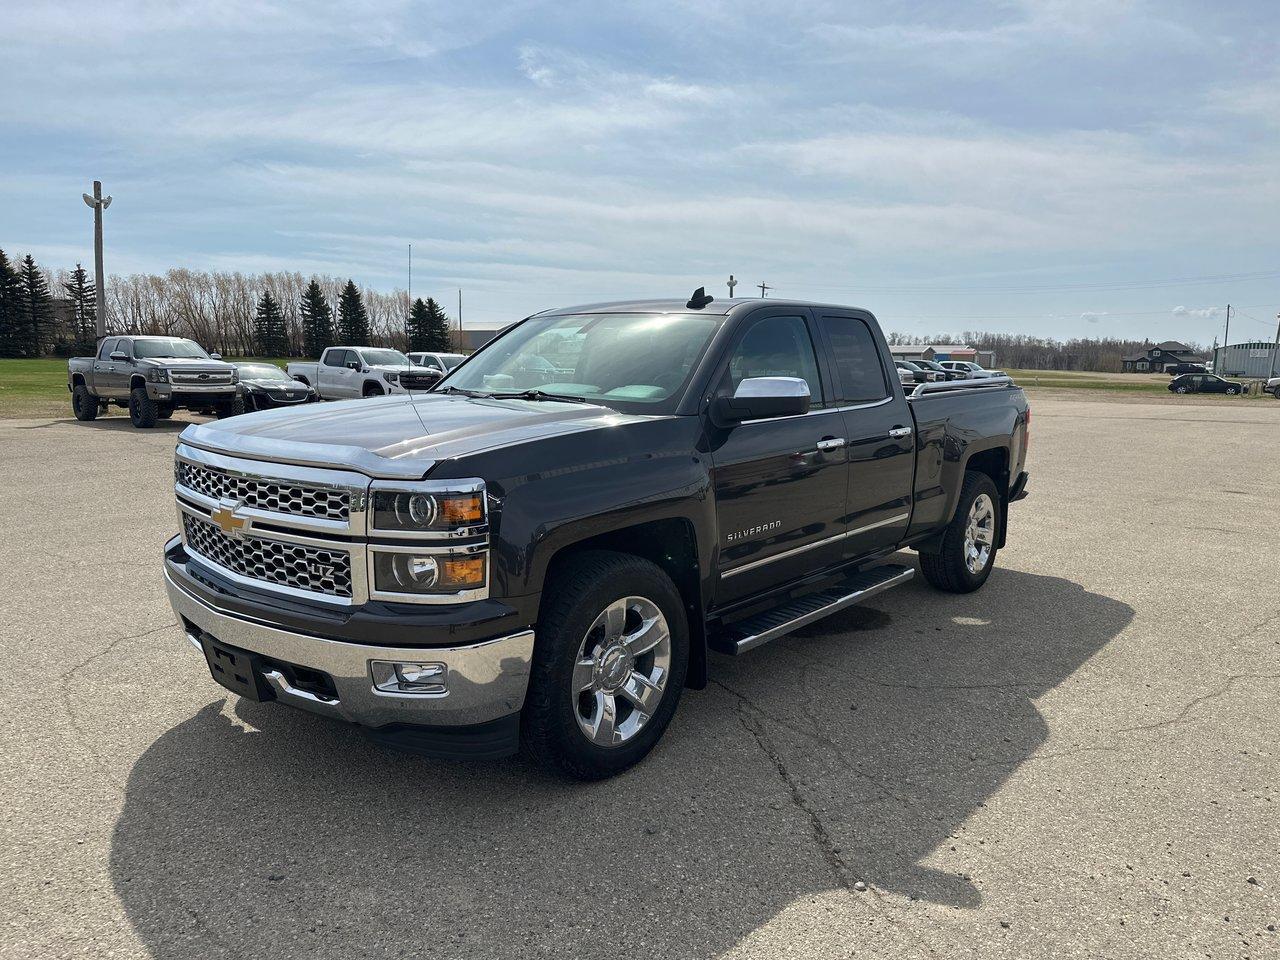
[1254, 359]
[942, 351]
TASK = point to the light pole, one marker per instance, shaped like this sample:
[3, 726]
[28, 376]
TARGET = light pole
[99, 203]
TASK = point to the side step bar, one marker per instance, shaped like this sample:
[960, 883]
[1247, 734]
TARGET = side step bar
[760, 629]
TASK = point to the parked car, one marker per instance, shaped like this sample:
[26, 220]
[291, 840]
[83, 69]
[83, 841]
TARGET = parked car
[936, 367]
[972, 370]
[1273, 387]
[917, 374]
[264, 386]
[444, 362]
[1179, 368]
[346, 372]
[476, 568]
[152, 377]
[1204, 383]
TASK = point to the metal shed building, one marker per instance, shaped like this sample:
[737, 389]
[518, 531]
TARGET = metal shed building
[1254, 359]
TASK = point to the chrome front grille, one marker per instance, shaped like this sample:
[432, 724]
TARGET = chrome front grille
[264, 493]
[299, 567]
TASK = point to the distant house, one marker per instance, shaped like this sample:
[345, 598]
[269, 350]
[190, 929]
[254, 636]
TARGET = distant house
[1162, 355]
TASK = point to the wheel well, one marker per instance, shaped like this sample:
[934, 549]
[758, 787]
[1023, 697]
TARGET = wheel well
[671, 546]
[371, 388]
[136, 381]
[995, 464]
[77, 380]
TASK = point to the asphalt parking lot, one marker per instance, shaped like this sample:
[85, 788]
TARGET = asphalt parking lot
[1077, 761]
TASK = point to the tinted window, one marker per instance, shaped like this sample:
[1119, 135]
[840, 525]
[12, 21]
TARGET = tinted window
[107, 347]
[168, 347]
[777, 347]
[857, 360]
[335, 358]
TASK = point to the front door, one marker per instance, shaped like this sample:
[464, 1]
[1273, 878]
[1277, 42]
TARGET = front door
[330, 372]
[779, 483]
[880, 436]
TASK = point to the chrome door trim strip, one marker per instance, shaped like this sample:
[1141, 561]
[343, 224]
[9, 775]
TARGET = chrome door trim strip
[813, 546]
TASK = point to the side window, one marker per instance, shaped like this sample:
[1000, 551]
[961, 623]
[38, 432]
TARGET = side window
[859, 373]
[335, 358]
[107, 347]
[776, 347]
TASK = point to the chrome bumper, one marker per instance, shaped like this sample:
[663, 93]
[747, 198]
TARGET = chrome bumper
[168, 389]
[485, 681]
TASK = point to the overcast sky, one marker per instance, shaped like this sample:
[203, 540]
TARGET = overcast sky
[1056, 168]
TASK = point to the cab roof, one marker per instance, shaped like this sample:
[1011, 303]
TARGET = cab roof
[718, 306]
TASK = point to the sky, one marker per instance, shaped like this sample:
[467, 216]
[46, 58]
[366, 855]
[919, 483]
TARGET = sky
[1054, 168]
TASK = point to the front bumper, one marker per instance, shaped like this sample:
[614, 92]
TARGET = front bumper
[191, 392]
[476, 715]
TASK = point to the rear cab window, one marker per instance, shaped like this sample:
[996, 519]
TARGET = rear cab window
[860, 374]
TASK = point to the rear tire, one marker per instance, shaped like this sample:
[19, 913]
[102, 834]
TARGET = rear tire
[589, 669]
[84, 404]
[143, 411]
[968, 550]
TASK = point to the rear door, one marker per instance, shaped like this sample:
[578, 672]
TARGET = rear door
[879, 432]
[329, 373]
[779, 483]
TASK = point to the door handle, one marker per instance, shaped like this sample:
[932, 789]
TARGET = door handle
[831, 443]
[899, 432]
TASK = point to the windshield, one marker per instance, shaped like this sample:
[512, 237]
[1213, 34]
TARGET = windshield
[384, 358]
[261, 371]
[148, 349]
[451, 360]
[617, 359]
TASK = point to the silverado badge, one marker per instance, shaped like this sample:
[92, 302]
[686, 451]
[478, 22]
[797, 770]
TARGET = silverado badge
[224, 515]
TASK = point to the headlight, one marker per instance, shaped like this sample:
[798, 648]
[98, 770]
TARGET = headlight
[427, 511]
[391, 377]
[235, 375]
[428, 574]
[158, 375]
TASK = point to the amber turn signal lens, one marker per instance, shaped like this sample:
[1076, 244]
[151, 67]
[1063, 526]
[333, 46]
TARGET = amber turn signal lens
[462, 511]
[462, 573]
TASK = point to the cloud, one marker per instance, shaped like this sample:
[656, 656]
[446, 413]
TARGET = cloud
[1199, 313]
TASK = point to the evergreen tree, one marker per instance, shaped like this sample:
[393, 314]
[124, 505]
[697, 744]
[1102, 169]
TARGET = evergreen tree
[418, 326]
[269, 335]
[8, 308]
[35, 308]
[84, 309]
[317, 321]
[353, 318]
[439, 335]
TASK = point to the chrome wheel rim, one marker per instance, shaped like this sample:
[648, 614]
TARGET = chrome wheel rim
[621, 671]
[979, 534]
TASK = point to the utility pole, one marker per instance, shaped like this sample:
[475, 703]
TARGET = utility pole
[408, 339]
[461, 343]
[732, 283]
[1226, 340]
[763, 287]
[99, 203]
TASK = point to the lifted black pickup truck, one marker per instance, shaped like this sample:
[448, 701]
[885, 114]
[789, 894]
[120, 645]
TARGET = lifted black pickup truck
[543, 549]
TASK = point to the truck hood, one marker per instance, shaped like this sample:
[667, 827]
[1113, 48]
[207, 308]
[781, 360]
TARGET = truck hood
[186, 364]
[396, 437]
[397, 368]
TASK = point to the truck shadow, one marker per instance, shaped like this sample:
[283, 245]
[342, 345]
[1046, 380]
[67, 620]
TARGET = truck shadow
[852, 750]
[117, 424]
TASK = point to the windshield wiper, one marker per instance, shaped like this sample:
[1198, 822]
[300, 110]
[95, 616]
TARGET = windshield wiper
[538, 395]
[463, 393]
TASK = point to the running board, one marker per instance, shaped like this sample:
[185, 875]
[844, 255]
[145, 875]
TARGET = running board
[760, 629]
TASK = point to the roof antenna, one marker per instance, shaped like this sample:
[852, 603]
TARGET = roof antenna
[699, 299]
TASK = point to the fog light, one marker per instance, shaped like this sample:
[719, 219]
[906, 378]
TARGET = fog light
[422, 679]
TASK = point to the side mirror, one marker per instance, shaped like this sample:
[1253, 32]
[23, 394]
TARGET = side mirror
[759, 398]
[215, 356]
[120, 357]
[353, 364]
[435, 370]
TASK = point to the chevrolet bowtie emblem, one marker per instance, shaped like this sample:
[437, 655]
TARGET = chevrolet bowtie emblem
[224, 515]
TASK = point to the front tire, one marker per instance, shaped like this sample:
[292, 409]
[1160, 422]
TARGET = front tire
[1179, 389]
[968, 550]
[372, 390]
[143, 411]
[84, 404]
[609, 665]
[230, 408]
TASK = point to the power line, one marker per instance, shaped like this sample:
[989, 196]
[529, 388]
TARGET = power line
[1058, 288]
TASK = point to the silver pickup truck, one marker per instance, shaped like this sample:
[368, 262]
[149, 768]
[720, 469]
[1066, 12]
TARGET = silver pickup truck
[152, 377]
[345, 373]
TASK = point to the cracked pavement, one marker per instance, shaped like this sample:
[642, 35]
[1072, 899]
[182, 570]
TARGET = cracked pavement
[1077, 761]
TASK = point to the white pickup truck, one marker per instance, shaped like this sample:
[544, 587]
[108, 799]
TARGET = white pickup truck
[346, 372]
